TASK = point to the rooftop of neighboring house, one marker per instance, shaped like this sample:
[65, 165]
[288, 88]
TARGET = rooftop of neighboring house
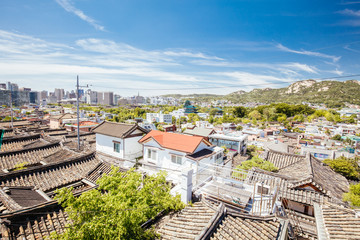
[336, 222]
[175, 141]
[119, 130]
[239, 138]
[309, 171]
[204, 220]
[84, 124]
[203, 132]
[63, 116]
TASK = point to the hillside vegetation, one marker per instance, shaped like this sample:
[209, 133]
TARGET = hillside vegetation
[331, 93]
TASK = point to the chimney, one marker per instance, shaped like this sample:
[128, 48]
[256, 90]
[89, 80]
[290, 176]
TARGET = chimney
[186, 185]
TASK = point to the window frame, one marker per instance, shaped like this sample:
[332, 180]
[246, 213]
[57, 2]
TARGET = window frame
[176, 161]
[115, 143]
[152, 154]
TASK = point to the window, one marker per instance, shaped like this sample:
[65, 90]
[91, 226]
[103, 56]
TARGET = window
[219, 158]
[116, 147]
[176, 159]
[151, 154]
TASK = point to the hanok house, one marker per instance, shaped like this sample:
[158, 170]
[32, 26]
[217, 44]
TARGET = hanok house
[119, 140]
[201, 132]
[175, 151]
[302, 181]
[85, 126]
[57, 121]
[27, 206]
[205, 220]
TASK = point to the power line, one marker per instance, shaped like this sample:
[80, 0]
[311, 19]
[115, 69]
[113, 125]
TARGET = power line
[227, 86]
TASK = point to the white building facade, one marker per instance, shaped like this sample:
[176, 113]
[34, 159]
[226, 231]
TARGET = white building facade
[119, 140]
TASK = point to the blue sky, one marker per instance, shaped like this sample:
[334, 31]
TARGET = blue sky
[176, 46]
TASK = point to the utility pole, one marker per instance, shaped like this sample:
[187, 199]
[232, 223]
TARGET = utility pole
[77, 110]
[11, 109]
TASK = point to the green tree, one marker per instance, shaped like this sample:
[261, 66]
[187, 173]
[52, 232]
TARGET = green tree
[255, 114]
[281, 118]
[353, 196]
[213, 111]
[337, 137]
[257, 162]
[239, 128]
[345, 166]
[299, 118]
[269, 113]
[239, 112]
[118, 207]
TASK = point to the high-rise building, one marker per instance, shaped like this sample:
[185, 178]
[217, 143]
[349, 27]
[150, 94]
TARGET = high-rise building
[116, 99]
[105, 98]
[72, 94]
[25, 89]
[59, 93]
[12, 86]
[3, 86]
[34, 97]
[43, 95]
[91, 97]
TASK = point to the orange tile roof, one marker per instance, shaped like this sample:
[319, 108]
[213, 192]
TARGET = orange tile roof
[175, 141]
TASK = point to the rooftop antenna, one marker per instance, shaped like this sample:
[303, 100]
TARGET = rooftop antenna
[77, 109]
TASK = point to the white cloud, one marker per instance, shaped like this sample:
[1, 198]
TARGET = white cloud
[251, 80]
[190, 54]
[68, 6]
[121, 67]
[308, 53]
[282, 67]
[337, 72]
[350, 12]
[347, 47]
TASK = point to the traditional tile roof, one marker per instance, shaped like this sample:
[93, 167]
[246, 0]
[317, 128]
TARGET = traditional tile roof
[98, 171]
[38, 227]
[304, 226]
[51, 176]
[303, 196]
[13, 146]
[18, 142]
[175, 141]
[336, 222]
[27, 157]
[308, 170]
[119, 130]
[189, 223]
[16, 198]
[43, 154]
[246, 227]
[282, 160]
[202, 132]
[64, 116]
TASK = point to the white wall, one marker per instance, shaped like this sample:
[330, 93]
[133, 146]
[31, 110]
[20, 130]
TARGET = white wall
[163, 158]
[133, 148]
[105, 145]
[201, 146]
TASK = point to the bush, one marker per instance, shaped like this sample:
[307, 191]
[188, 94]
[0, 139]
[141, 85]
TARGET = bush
[259, 163]
[353, 196]
[345, 166]
[117, 208]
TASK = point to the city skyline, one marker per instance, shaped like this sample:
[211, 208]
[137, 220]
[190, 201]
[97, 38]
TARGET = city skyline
[160, 47]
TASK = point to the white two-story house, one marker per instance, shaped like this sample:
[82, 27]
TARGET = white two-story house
[119, 140]
[178, 151]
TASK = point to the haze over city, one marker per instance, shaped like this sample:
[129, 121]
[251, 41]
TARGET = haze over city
[158, 47]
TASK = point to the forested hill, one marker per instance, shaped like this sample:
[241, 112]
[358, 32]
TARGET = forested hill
[331, 93]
